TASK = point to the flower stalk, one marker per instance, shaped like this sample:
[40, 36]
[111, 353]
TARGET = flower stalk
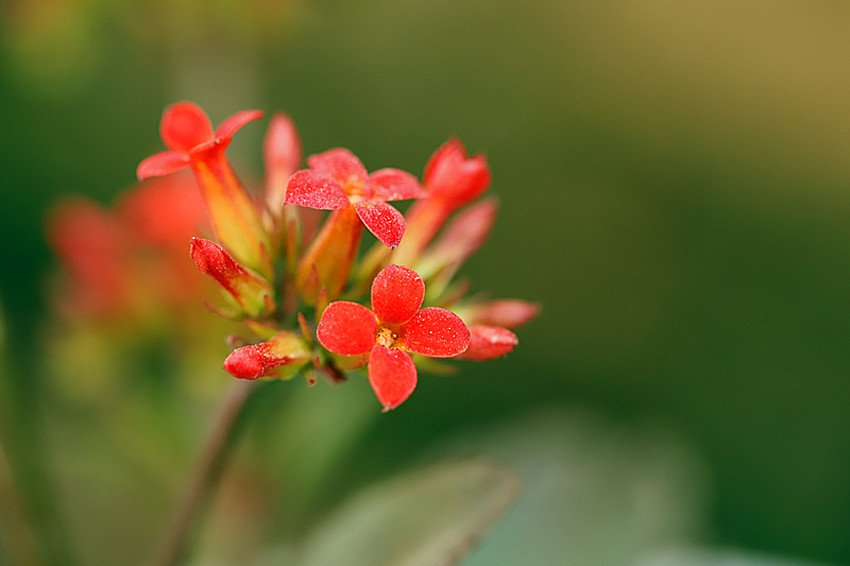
[220, 438]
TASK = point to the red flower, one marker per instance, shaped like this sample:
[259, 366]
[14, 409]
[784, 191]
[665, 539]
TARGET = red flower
[337, 179]
[396, 326]
[453, 177]
[451, 180]
[94, 247]
[124, 261]
[187, 131]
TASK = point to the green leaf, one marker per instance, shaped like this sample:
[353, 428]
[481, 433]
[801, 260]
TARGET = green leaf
[685, 556]
[428, 518]
[594, 493]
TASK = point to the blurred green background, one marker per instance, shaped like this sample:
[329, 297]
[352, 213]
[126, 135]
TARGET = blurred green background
[674, 182]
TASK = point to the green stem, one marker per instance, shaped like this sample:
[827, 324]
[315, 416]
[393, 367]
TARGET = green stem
[219, 441]
[16, 534]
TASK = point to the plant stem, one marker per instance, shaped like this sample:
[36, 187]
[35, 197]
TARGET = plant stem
[17, 537]
[219, 440]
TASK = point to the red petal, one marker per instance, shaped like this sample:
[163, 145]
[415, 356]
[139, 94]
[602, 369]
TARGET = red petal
[383, 220]
[447, 155]
[161, 164]
[488, 342]
[184, 125]
[343, 166]
[394, 184]
[455, 178]
[232, 124]
[347, 328]
[397, 294]
[435, 332]
[392, 376]
[315, 190]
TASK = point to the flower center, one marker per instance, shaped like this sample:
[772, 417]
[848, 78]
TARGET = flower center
[386, 336]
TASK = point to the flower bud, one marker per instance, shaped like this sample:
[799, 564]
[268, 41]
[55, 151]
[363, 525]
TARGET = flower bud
[281, 358]
[509, 313]
[488, 342]
[252, 293]
[282, 155]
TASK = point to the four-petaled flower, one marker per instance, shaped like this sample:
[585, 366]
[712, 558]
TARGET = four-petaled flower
[337, 179]
[187, 131]
[393, 327]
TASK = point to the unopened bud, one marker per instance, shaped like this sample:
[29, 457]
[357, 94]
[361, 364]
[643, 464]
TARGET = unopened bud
[252, 293]
[281, 357]
[488, 342]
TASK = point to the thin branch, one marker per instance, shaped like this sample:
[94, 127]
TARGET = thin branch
[218, 443]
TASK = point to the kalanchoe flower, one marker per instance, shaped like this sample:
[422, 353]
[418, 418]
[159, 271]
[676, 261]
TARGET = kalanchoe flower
[281, 357]
[252, 293]
[188, 133]
[455, 178]
[337, 179]
[127, 261]
[94, 248]
[393, 327]
[451, 180]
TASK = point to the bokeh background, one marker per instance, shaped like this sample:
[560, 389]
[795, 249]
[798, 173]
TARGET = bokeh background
[674, 182]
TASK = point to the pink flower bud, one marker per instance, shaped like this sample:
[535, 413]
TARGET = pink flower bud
[488, 342]
[250, 291]
[509, 313]
[282, 155]
[281, 357]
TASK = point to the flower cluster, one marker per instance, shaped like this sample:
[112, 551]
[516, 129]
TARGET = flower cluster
[122, 263]
[295, 279]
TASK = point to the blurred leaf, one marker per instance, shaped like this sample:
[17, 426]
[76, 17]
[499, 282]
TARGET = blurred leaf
[716, 557]
[594, 493]
[428, 518]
